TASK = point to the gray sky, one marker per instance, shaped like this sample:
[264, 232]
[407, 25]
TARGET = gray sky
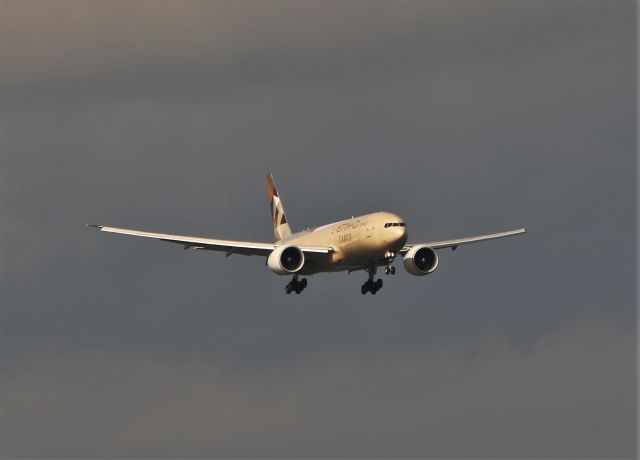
[463, 117]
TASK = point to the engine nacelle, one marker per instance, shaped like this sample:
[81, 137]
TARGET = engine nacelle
[285, 260]
[420, 260]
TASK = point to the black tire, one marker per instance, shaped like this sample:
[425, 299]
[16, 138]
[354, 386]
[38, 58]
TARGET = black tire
[378, 284]
[374, 291]
[303, 283]
[363, 289]
[287, 289]
[393, 270]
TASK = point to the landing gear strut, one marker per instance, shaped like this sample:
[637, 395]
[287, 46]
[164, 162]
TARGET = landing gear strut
[296, 286]
[389, 256]
[371, 286]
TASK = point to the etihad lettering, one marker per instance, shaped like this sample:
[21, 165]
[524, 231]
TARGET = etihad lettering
[351, 225]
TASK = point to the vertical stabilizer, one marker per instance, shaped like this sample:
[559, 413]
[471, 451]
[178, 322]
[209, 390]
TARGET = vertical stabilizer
[281, 227]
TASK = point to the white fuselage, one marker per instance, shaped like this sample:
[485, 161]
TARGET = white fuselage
[358, 242]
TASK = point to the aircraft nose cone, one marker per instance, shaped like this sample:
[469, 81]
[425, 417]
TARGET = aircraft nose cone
[401, 234]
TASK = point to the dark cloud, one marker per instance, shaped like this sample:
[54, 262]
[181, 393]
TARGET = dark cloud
[493, 401]
[463, 117]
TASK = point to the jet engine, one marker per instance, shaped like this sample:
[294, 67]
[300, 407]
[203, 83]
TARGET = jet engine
[420, 260]
[285, 260]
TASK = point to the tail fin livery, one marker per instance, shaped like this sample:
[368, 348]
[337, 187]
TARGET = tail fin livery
[281, 227]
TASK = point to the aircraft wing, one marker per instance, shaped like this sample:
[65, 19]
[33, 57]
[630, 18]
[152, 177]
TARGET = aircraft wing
[210, 244]
[453, 244]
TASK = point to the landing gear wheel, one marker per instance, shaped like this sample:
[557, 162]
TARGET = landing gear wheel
[393, 270]
[296, 286]
[371, 286]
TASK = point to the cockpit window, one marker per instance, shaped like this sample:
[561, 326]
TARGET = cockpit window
[395, 224]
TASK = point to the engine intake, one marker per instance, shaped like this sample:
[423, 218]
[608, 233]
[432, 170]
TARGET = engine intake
[420, 260]
[285, 260]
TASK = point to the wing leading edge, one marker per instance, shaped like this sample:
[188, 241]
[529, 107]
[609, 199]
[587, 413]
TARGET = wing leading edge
[453, 244]
[247, 248]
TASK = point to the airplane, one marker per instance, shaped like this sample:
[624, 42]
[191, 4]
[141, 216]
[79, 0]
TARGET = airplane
[361, 243]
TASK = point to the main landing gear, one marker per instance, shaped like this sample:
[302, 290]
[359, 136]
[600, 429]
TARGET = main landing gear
[296, 286]
[389, 270]
[371, 286]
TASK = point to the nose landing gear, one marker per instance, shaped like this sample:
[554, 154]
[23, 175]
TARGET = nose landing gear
[389, 256]
[296, 286]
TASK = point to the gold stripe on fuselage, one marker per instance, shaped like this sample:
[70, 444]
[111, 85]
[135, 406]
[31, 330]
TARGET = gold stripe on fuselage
[357, 242]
